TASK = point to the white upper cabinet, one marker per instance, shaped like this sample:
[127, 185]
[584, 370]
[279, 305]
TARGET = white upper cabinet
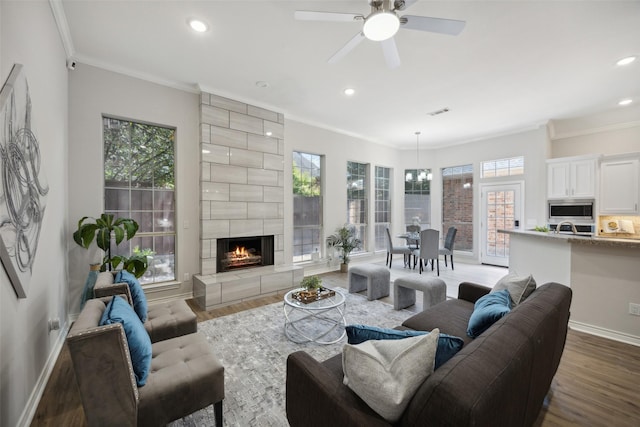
[571, 178]
[619, 185]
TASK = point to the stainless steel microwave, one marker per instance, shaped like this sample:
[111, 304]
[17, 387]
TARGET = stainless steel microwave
[571, 210]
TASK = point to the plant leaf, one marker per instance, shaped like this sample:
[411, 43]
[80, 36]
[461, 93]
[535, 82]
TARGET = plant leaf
[119, 232]
[103, 238]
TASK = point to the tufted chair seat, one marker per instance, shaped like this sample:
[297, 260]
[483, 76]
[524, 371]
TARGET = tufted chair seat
[164, 320]
[185, 375]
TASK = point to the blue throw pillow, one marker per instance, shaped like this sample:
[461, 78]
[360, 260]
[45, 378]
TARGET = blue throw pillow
[119, 311]
[488, 310]
[137, 294]
[448, 345]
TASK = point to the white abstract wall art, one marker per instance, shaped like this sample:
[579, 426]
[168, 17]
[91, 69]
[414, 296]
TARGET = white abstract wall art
[23, 187]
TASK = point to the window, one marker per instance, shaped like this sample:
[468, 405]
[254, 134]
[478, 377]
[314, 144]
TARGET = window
[357, 200]
[307, 206]
[383, 206]
[140, 184]
[503, 167]
[417, 197]
[457, 204]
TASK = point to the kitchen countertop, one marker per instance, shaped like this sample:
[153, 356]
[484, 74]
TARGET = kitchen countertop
[577, 239]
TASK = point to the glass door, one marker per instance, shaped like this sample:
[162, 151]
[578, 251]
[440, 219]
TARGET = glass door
[501, 210]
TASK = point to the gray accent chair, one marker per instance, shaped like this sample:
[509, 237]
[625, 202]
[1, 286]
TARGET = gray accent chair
[448, 245]
[429, 249]
[185, 375]
[164, 321]
[403, 250]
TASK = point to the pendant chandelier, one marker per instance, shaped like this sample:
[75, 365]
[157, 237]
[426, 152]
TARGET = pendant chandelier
[421, 175]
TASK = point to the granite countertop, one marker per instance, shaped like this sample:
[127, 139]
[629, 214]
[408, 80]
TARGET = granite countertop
[577, 239]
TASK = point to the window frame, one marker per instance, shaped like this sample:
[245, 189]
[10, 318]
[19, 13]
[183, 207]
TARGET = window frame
[158, 264]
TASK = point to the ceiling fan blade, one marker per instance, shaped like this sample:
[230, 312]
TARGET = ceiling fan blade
[351, 44]
[451, 27]
[306, 15]
[390, 51]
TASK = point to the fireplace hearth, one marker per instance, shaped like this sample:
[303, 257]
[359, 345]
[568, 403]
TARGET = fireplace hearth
[237, 253]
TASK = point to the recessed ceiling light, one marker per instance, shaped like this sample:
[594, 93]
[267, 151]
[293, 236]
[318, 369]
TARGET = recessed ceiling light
[205, 151]
[268, 133]
[262, 84]
[625, 102]
[626, 61]
[197, 25]
[349, 91]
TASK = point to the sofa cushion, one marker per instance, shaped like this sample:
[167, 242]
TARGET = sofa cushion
[519, 287]
[119, 311]
[386, 373]
[137, 294]
[450, 317]
[488, 310]
[448, 345]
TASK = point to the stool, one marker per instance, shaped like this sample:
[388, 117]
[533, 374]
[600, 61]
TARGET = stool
[434, 290]
[374, 278]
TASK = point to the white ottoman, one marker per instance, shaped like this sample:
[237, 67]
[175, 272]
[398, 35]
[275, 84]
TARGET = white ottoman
[434, 291]
[374, 278]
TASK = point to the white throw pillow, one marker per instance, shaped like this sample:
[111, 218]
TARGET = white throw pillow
[519, 287]
[387, 373]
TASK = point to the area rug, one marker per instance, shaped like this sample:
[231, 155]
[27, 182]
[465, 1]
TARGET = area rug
[253, 349]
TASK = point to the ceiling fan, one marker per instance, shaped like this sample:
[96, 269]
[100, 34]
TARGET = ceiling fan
[382, 24]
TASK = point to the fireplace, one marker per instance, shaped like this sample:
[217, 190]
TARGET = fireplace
[238, 253]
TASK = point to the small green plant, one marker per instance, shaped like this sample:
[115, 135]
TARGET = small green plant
[542, 229]
[102, 230]
[143, 252]
[311, 282]
[345, 240]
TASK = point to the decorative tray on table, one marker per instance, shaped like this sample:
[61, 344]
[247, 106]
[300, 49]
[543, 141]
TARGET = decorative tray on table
[310, 296]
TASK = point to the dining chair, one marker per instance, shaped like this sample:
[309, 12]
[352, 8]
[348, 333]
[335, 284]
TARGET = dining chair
[448, 245]
[404, 250]
[429, 249]
[413, 229]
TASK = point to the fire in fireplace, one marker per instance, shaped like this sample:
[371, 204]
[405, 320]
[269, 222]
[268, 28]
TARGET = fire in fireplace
[244, 252]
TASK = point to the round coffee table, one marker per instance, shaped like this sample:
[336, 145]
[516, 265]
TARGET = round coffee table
[320, 321]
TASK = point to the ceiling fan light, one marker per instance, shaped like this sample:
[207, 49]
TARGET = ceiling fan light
[381, 26]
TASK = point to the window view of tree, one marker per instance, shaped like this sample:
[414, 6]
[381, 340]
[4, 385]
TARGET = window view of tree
[140, 184]
[383, 206]
[307, 206]
[357, 201]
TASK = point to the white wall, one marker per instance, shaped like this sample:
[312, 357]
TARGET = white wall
[28, 36]
[337, 150]
[94, 92]
[610, 132]
[532, 144]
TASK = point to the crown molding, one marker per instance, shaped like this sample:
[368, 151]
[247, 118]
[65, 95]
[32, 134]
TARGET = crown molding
[63, 27]
[608, 128]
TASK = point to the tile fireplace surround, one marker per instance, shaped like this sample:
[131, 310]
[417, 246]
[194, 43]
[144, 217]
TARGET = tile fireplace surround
[241, 194]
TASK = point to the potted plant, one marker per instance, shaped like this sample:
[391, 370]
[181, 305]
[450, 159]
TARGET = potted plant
[346, 241]
[101, 230]
[311, 283]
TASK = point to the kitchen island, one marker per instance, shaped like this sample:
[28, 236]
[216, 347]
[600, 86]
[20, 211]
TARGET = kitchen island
[604, 274]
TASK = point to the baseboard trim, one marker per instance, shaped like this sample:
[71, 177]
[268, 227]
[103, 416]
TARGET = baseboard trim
[605, 333]
[184, 295]
[36, 394]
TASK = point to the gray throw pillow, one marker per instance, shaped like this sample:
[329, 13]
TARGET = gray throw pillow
[519, 287]
[387, 373]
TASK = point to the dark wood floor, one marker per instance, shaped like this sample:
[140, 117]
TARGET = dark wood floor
[597, 383]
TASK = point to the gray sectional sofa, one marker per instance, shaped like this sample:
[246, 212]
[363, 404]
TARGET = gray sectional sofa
[498, 379]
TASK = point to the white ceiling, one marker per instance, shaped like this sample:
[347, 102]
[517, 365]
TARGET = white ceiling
[516, 64]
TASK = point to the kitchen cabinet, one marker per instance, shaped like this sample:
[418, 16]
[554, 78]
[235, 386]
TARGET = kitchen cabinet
[619, 185]
[570, 178]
